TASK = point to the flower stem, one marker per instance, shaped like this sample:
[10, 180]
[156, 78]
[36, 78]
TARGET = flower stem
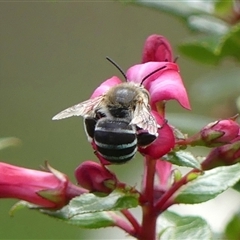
[148, 229]
[132, 220]
[121, 223]
[166, 201]
[148, 183]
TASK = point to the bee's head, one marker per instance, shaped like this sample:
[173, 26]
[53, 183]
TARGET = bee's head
[124, 75]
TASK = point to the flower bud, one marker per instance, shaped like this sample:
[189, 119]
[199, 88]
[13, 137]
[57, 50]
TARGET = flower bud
[157, 49]
[222, 156]
[46, 189]
[95, 177]
[216, 134]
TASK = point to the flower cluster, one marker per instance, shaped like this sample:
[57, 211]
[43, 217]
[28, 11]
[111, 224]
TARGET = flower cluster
[51, 190]
[161, 184]
[162, 86]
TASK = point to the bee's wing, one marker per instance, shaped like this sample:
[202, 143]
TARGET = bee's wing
[81, 109]
[143, 118]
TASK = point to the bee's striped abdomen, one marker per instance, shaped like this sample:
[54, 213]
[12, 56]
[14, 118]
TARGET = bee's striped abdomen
[115, 140]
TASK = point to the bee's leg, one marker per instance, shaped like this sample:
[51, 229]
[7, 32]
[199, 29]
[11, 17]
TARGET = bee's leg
[144, 139]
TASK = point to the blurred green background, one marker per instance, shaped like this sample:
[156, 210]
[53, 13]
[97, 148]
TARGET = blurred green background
[52, 57]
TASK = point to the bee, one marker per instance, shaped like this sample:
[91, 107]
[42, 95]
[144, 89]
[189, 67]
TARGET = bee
[118, 121]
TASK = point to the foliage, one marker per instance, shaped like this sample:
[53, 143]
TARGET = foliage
[214, 23]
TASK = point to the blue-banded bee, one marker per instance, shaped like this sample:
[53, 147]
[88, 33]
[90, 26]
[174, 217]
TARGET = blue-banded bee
[118, 121]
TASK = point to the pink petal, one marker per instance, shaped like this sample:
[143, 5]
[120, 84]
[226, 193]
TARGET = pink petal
[157, 49]
[105, 86]
[163, 144]
[30, 185]
[165, 84]
[163, 171]
[94, 177]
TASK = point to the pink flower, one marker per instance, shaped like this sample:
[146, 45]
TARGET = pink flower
[45, 189]
[163, 85]
[215, 134]
[105, 86]
[163, 144]
[95, 177]
[166, 84]
[157, 49]
[164, 172]
[223, 156]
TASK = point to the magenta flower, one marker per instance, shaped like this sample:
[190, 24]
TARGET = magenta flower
[105, 86]
[164, 172]
[45, 189]
[164, 85]
[215, 134]
[157, 49]
[163, 144]
[220, 132]
[95, 177]
[222, 156]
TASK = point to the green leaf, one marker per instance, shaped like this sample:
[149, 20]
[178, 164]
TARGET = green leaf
[223, 8]
[204, 49]
[21, 205]
[215, 47]
[208, 24]
[8, 142]
[89, 202]
[232, 230]
[230, 45]
[91, 211]
[182, 9]
[183, 158]
[209, 185]
[177, 227]
[237, 186]
[87, 220]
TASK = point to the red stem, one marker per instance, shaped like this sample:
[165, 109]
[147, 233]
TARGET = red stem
[149, 218]
[121, 223]
[148, 188]
[132, 220]
[165, 201]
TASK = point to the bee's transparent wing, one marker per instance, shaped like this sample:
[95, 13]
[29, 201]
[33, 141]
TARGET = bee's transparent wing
[143, 118]
[81, 109]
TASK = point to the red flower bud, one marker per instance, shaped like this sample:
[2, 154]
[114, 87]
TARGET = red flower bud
[222, 156]
[157, 49]
[95, 177]
[216, 134]
[46, 189]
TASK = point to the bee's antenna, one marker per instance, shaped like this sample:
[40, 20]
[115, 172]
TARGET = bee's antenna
[116, 65]
[176, 58]
[150, 74]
